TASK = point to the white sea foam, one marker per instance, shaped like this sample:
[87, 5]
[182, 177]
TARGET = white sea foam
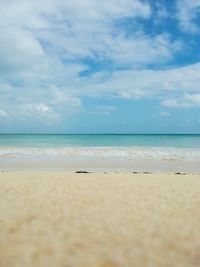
[137, 153]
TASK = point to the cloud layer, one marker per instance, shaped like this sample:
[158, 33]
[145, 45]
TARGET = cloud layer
[55, 53]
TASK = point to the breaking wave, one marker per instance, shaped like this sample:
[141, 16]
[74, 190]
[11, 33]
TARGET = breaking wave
[131, 153]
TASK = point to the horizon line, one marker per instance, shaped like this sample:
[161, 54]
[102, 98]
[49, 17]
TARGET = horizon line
[99, 133]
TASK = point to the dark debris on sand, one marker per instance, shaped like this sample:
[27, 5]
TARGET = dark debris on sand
[82, 172]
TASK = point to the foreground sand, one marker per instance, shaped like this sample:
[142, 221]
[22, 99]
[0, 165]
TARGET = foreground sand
[107, 220]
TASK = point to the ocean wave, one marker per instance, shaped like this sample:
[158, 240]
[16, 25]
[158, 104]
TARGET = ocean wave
[131, 153]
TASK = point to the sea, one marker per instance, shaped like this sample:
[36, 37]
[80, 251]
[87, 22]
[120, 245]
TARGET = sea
[130, 152]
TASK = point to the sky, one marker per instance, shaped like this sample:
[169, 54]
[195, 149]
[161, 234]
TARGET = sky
[109, 66]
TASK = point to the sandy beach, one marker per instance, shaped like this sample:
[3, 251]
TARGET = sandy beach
[99, 219]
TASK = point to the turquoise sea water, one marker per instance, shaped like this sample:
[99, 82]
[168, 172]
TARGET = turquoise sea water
[101, 140]
[94, 152]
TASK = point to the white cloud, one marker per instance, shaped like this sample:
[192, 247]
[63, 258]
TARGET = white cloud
[40, 107]
[142, 50]
[38, 112]
[188, 12]
[42, 45]
[60, 96]
[142, 83]
[186, 101]
[74, 28]
[162, 11]
[164, 114]
[45, 45]
[19, 49]
[36, 12]
[3, 113]
[104, 110]
[161, 114]
[41, 32]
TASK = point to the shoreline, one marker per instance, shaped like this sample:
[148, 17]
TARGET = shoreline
[84, 171]
[91, 165]
[99, 159]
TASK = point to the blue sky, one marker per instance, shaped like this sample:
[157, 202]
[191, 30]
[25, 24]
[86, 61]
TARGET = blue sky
[109, 66]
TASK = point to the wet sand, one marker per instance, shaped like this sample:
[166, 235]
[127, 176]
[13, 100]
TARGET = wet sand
[96, 219]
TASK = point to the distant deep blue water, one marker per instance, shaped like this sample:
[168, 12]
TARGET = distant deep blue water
[99, 140]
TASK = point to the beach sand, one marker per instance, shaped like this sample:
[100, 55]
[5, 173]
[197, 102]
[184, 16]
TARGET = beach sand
[97, 219]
